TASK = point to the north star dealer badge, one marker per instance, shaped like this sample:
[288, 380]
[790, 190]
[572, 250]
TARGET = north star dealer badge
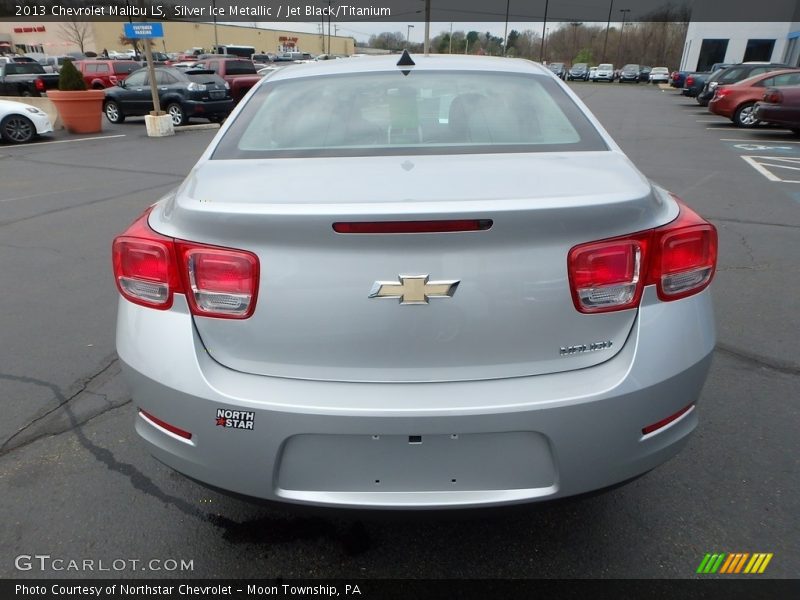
[237, 419]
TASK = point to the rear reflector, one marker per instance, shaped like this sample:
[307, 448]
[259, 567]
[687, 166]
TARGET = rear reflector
[667, 421]
[414, 226]
[679, 259]
[164, 425]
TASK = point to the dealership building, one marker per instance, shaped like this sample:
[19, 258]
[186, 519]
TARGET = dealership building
[59, 38]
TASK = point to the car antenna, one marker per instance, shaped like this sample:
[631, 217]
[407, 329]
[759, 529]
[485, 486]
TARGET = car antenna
[405, 61]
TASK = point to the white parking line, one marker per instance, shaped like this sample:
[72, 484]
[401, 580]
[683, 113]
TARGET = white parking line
[101, 137]
[759, 140]
[763, 164]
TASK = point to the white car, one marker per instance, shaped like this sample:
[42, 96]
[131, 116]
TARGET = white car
[659, 75]
[20, 123]
[605, 72]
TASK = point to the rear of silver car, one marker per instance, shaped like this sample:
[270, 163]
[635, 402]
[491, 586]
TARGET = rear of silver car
[426, 320]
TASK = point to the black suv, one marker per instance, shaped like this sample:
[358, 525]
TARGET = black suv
[629, 73]
[733, 74]
[183, 94]
[558, 69]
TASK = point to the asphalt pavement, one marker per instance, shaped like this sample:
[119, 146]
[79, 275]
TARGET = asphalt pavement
[77, 484]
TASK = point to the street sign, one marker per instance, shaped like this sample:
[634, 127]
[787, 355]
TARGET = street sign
[144, 30]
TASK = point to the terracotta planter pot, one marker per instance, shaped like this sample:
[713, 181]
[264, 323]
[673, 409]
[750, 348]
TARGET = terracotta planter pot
[80, 112]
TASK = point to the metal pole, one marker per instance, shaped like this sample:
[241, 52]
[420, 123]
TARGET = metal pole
[450, 50]
[544, 32]
[216, 41]
[624, 12]
[608, 26]
[427, 44]
[329, 27]
[408, 34]
[505, 35]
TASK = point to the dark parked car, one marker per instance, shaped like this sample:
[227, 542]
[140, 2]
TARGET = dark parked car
[579, 71]
[737, 100]
[644, 73]
[183, 94]
[780, 106]
[733, 74]
[558, 69]
[629, 73]
[25, 79]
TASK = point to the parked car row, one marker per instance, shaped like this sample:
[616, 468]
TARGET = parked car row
[630, 73]
[749, 94]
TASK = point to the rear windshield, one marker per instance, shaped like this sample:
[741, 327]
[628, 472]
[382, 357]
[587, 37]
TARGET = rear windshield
[204, 77]
[126, 67]
[240, 67]
[25, 68]
[425, 113]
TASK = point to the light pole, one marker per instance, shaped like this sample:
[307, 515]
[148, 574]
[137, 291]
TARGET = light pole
[575, 39]
[505, 35]
[216, 41]
[544, 32]
[408, 34]
[450, 50]
[608, 26]
[624, 12]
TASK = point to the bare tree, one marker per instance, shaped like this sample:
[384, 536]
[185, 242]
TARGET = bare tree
[77, 32]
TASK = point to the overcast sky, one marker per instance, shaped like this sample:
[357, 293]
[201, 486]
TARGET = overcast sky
[362, 30]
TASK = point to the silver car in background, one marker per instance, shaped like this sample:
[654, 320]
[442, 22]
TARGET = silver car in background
[427, 283]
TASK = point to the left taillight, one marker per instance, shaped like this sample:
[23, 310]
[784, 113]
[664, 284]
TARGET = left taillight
[679, 258]
[150, 268]
[39, 85]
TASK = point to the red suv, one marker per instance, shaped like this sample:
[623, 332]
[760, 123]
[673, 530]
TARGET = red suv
[101, 74]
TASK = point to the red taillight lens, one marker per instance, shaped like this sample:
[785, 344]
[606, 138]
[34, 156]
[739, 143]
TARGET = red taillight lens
[223, 283]
[679, 259]
[721, 92]
[605, 275]
[684, 256]
[39, 85]
[150, 268]
[144, 266]
[773, 96]
[689, 81]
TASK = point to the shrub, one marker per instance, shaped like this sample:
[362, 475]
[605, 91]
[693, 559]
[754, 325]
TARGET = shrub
[70, 79]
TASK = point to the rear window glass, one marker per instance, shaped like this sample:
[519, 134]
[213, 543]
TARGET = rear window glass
[123, 67]
[425, 113]
[24, 68]
[240, 67]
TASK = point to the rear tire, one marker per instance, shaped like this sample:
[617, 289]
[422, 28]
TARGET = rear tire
[17, 129]
[113, 112]
[745, 116]
[178, 115]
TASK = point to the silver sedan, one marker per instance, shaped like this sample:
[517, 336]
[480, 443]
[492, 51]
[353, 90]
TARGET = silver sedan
[420, 283]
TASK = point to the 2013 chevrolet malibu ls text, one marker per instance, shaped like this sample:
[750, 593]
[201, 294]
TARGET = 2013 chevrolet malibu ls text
[425, 283]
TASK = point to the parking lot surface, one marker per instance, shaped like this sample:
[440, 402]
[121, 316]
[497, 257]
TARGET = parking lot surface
[77, 484]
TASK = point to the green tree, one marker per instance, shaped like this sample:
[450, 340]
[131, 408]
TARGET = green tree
[584, 56]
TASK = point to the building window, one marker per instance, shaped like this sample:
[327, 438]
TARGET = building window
[759, 50]
[711, 51]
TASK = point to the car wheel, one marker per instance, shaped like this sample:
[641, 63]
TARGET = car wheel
[745, 116]
[176, 112]
[113, 112]
[17, 129]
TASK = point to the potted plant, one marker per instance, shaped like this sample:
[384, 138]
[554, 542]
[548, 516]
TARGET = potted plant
[80, 109]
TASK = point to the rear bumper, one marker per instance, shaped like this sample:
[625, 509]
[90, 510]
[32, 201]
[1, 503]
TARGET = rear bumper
[418, 445]
[778, 115]
[196, 108]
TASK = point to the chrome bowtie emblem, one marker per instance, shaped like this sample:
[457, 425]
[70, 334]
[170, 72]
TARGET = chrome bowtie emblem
[413, 289]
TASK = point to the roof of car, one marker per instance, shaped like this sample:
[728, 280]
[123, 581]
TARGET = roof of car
[446, 62]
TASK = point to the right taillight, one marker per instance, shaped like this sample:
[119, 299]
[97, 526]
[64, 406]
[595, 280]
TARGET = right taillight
[689, 81]
[150, 268]
[773, 96]
[679, 259]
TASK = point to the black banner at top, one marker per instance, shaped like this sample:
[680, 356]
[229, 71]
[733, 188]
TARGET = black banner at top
[513, 11]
